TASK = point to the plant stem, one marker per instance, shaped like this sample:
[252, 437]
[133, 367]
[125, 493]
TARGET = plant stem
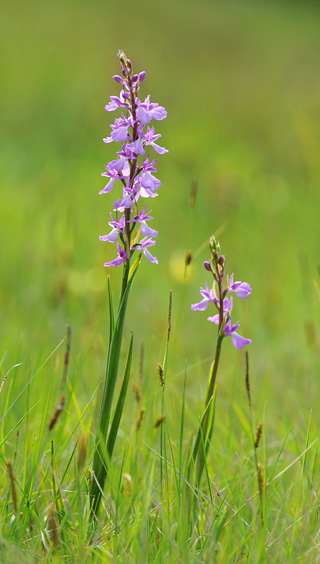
[218, 348]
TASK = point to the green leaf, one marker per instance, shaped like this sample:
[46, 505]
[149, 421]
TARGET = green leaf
[242, 418]
[203, 428]
[113, 364]
[105, 454]
[111, 312]
[134, 266]
[120, 404]
[206, 438]
[108, 393]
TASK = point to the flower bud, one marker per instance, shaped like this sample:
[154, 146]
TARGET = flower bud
[212, 243]
[126, 66]
[207, 265]
[118, 79]
[123, 58]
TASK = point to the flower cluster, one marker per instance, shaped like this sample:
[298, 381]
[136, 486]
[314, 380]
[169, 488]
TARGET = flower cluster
[133, 166]
[218, 294]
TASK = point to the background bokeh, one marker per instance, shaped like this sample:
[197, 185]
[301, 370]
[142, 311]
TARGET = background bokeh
[241, 83]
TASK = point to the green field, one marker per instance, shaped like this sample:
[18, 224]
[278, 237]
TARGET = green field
[240, 82]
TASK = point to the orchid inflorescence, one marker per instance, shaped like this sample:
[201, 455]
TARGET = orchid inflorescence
[137, 178]
[222, 286]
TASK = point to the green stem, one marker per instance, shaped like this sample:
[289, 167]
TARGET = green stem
[213, 374]
[218, 348]
[125, 274]
[102, 454]
[203, 428]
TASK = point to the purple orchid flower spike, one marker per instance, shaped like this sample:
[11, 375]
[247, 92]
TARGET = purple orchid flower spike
[218, 296]
[136, 175]
[222, 303]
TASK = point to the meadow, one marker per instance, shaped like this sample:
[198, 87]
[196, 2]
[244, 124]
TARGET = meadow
[240, 83]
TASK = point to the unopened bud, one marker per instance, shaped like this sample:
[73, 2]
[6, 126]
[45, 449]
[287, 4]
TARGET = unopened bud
[207, 265]
[123, 57]
[126, 66]
[212, 243]
[118, 79]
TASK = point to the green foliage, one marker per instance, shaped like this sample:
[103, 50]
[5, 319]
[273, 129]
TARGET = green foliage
[240, 82]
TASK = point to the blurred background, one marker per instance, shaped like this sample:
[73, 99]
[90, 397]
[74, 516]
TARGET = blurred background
[241, 83]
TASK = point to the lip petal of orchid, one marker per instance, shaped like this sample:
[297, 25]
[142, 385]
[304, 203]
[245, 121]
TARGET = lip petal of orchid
[116, 262]
[200, 306]
[147, 231]
[214, 319]
[239, 342]
[150, 257]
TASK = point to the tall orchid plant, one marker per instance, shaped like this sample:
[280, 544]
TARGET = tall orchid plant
[132, 171]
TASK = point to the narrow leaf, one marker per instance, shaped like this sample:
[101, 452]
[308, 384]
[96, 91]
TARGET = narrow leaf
[107, 399]
[120, 404]
[111, 311]
[134, 266]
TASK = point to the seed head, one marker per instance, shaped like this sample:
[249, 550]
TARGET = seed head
[159, 421]
[258, 435]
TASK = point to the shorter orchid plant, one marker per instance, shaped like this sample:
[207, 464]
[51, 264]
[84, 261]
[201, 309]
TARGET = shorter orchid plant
[218, 294]
[222, 286]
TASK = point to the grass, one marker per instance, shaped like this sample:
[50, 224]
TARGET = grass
[240, 82]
